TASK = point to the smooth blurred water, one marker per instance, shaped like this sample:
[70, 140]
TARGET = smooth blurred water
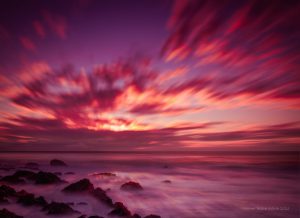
[202, 184]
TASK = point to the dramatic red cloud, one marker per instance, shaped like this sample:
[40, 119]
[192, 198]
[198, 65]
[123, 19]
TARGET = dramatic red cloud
[40, 132]
[255, 45]
[229, 70]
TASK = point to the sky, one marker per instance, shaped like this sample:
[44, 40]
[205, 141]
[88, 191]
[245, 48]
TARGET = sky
[143, 75]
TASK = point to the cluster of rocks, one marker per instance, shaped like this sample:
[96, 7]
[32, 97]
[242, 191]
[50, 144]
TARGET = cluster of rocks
[29, 199]
[40, 177]
[118, 208]
[4, 213]
[59, 208]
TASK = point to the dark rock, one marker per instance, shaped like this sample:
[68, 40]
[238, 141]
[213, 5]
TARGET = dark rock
[58, 208]
[12, 179]
[102, 196]
[131, 186]
[24, 174]
[135, 216]
[26, 199]
[71, 203]
[41, 201]
[166, 181]
[39, 178]
[3, 200]
[69, 173]
[31, 165]
[120, 210]
[4, 213]
[152, 216]
[84, 216]
[46, 178]
[56, 162]
[104, 174]
[58, 173]
[7, 191]
[82, 203]
[18, 176]
[83, 185]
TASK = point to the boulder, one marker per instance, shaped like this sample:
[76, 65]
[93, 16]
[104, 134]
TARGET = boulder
[12, 179]
[3, 200]
[24, 174]
[102, 196]
[56, 162]
[46, 178]
[131, 186]
[83, 185]
[84, 216]
[104, 174]
[26, 199]
[58, 208]
[152, 216]
[7, 191]
[41, 201]
[120, 210]
[4, 213]
[95, 216]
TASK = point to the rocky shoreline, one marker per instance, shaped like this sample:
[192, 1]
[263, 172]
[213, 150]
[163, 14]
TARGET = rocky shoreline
[8, 195]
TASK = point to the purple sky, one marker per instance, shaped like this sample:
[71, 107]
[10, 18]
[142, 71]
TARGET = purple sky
[149, 75]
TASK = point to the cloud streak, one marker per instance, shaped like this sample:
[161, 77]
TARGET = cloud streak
[254, 44]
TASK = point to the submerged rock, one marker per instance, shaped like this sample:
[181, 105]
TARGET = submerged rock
[104, 174]
[69, 173]
[120, 210]
[95, 216]
[152, 216]
[46, 178]
[24, 174]
[82, 203]
[41, 201]
[12, 179]
[135, 216]
[102, 196]
[58, 208]
[39, 178]
[167, 181]
[56, 162]
[26, 199]
[4, 213]
[131, 186]
[83, 185]
[6, 191]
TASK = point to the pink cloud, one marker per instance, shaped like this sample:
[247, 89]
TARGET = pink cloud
[39, 29]
[253, 44]
[57, 24]
[27, 43]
